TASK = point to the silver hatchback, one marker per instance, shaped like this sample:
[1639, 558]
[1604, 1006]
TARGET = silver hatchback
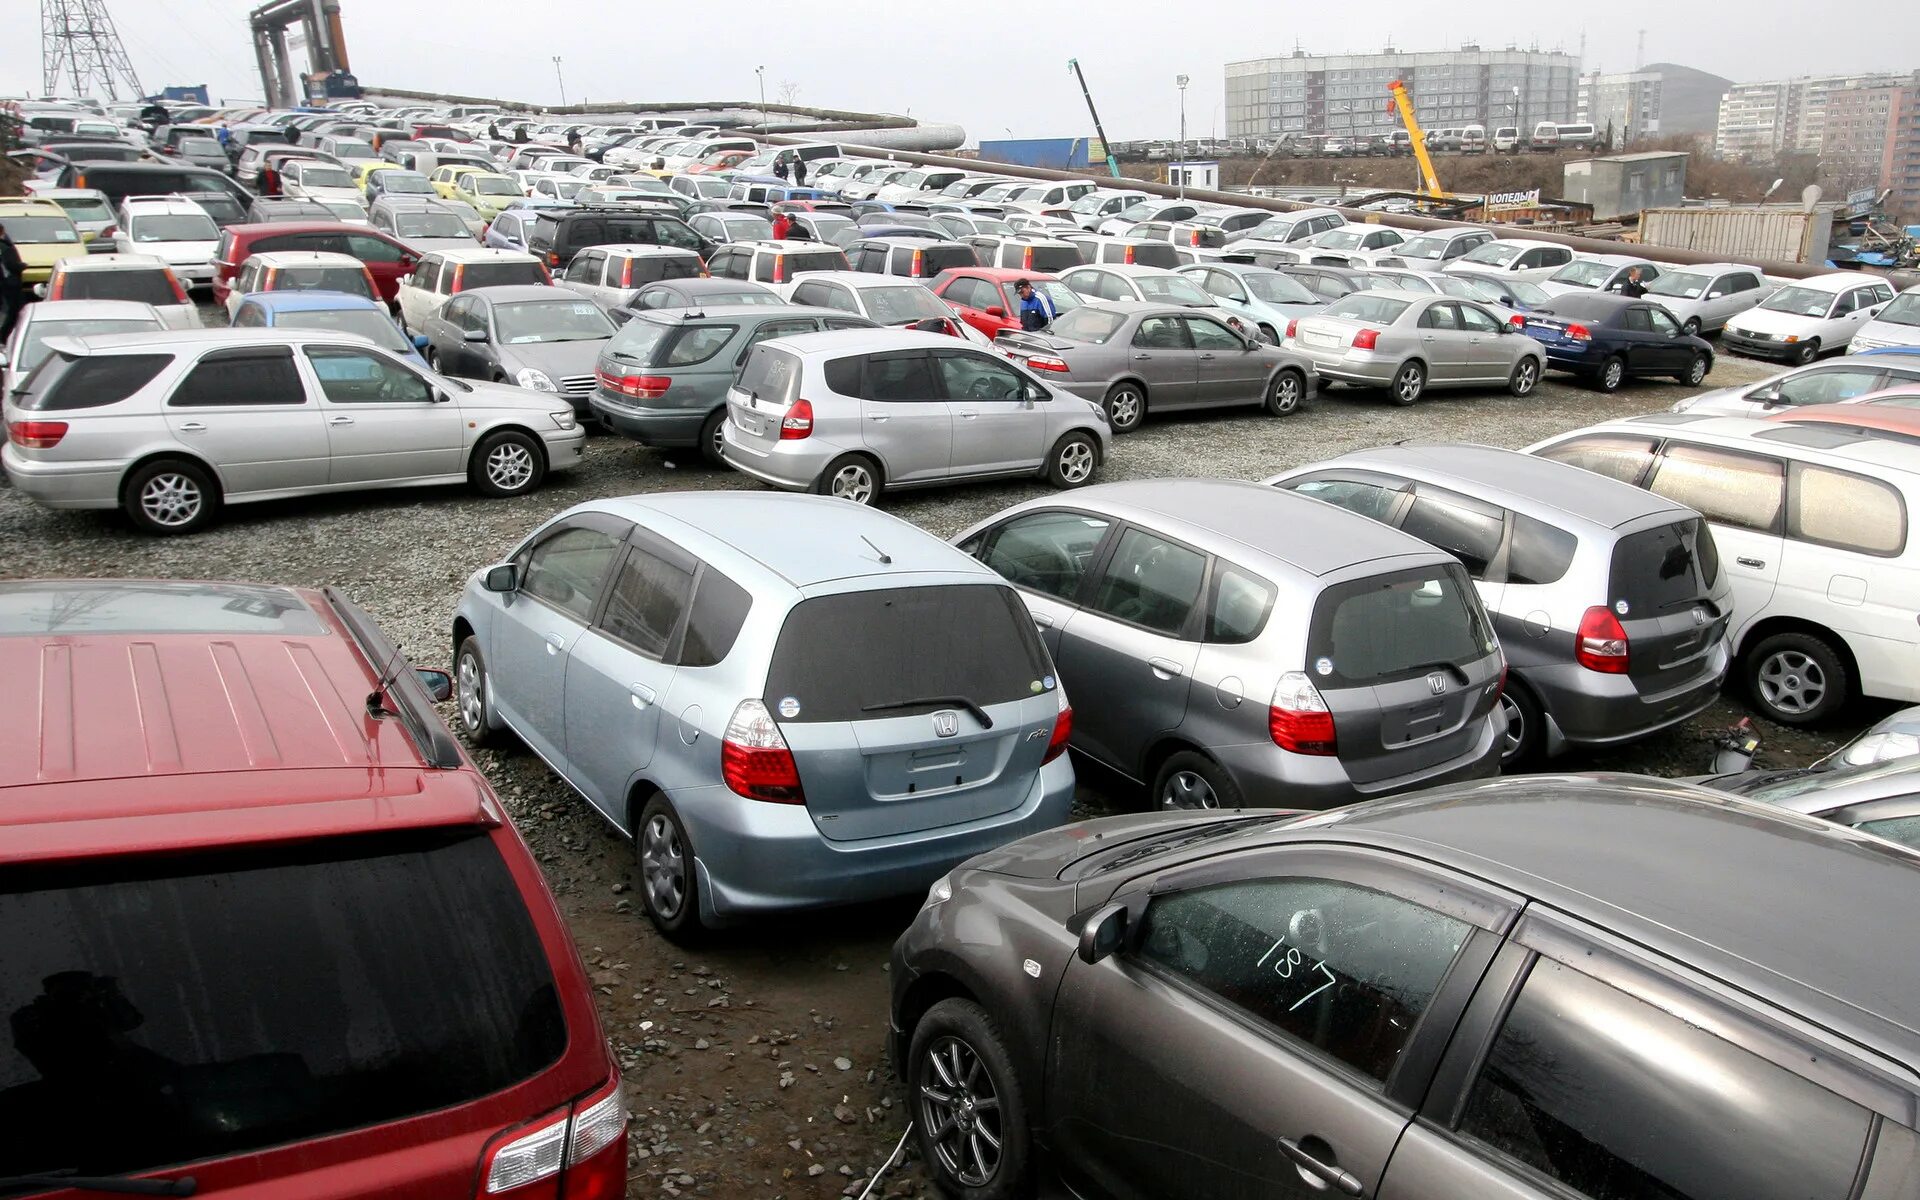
[853, 413]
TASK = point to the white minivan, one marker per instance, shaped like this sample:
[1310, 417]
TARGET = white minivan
[1811, 526]
[1809, 317]
[1898, 324]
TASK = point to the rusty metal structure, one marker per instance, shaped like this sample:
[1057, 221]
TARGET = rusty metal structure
[325, 42]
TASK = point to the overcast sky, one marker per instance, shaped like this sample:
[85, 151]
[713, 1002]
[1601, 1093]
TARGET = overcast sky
[993, 68]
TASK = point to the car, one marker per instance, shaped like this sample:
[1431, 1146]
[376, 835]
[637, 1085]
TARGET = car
[986, 298]
[1431, 249]
[43, 234]
[853, 413]
[917, 258]
[1872, 784]
[1328, 282]
[1262, 299]
[421, 223]
[1096, 206]
[696, 187]
[222, 199]
[399, 182]
[832, 228]
[966, 224]
[1703, 296]
[487, 191]
[244, 863]
[540, 337]
[1131, 357]
[1808, 317]
[557, 235]
[1098, 248]
[300, 271]
[1356, 246]
[1606, 340]
[919, 184]
[1026, 252]
[1408, 342]
[348, 151]
[1507, 140]
[1235, 223]
[90, 211]
[512, 229]
[697, 713]
[338, 312]
[1557, 554]
[696, 292]
[1599, 273]
[664, 377]
[26, 347]
[1152, 208]
[719, 228]
[386, 257]
[1230, 645]
[327, 183]
[1117, 283]
[882, 299]
[1809, 521]
[175, 230]
[1440, 996]
[1515, 258]
[609, 275]
[269, 210]
[1830, 382]
[1893, 414]
[445, 273]
[776, 264]
[141, 278]
[1895, 327]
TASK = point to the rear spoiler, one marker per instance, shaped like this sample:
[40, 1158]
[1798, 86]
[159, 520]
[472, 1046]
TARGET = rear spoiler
[406, 693]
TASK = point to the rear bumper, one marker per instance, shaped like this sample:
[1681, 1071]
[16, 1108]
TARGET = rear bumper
[1587, 708]
[91, 484]
[1579, 360]
[1351, 366]
[1269, 777]
[793, 465]
[674, 428]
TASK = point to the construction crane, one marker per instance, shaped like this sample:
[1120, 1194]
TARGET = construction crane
[1429, 182]
[1113, 164]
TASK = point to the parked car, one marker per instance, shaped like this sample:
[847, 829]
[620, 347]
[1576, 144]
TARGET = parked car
[90, 211]
[1557, 553]
[686, 293]
[1264, 300]
[1810, 525]
[1229, 644]
[1436, 997]
[987, 299]
[908, 257]
[881, 299]
[1894, 415]
[731, 226]
[1117, 283]
[136, 277]
[1098, 248]
[852, 414]
[1285, 230]
[335, 312]
[540, 337]
[276, 209]
[1837, 379]
[1897, 326]
[1026, 252]
[1507, 140]
[26, 347]
[1606, 340]
[446, 273]
[1152, 208]
[1599, 273]
[211, 860]
[777, 264]
[1356, 246]
[1808, 317]
[1872, 784]
[300, 270]
[1704, 296]
[42, 233]
[217, 194]
[609, 275]
[488, 191]
[326, 183]
[172, 427]
[177, 231]
[1096, 206]
[386, 257]
[1431, 249]
[1515, 258]
[421, 223]
[1407, 342]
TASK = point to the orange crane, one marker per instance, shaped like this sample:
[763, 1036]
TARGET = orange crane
[1430, 183]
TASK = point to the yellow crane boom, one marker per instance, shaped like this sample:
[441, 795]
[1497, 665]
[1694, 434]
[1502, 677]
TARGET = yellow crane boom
[1429, 181]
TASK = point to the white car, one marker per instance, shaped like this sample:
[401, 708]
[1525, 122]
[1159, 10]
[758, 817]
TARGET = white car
[173, 229]
[1898, 324]
[1358, 246]
[1704, 296]
[1154, 208]
[1288, 230]
[445, 273]
[1118, 283]
[1829, 382]
[1432, 249]
[867, 186]
[325, 182]
[27, 346]
[1513, 258]
[1808, 317]
[300, 271]
[918, 186]
[1096, 206]
[137, 277]
[1598, 273]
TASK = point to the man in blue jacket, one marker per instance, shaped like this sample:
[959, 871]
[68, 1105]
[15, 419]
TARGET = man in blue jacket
[1036, 311]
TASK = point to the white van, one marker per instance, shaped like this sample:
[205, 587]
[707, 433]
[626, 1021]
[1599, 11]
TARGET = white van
[1577, 137]
[1811, 526]
[1898, 324]
[1473, 139]
[1506, 139]
[1546, 136]
[1808, 317]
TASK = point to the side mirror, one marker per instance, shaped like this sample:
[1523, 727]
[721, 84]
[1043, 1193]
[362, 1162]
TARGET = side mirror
[994, 310]
[40, 291]
[475, 335]
[1103, 933]
[3, 357]
[419, 341]
[439, 684]
[503, 578]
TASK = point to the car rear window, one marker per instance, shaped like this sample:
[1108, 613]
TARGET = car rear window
[935, 259]
[1396, 626]
[1052, 258]
[1155, 254]
[936, 644]
[814, 260]
[69, 381]
[655, 268]
[242, 999]
[499, 274]
[147, 285]
[1664, 568]
[1089, 324]
[34, 607]
[771, 374]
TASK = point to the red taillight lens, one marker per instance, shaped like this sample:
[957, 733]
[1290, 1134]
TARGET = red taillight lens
[1026, 259]
[755, 760]
[1601, 643]
[1062, 730]
[1293, 327]
[1128, 257]
[1048, 362]
[626, 274]
[798, 422]
[36, 435]
[59, 287]
[179, 289]
[110, 231]
[1366, 339]
[459, 278]
[1298, 719]
[1580, 333]
[779, 268]
[1193, 237]
[1517, 321]
[640, 387]
[553, 258]
[578, 1153]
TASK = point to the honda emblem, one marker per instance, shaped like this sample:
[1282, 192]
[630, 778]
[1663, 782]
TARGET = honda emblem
[1436, 683]
[946, 723]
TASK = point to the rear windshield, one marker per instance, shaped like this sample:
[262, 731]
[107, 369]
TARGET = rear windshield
[498, 274]
[1375, 310]
[70, 381]
[1658, 570]
[814, 260]
[1155, 254]
[250, 998]
[663, 266]
[770, 374]
[1397, 626]
[1051, 258]
[33, 346]
[352, 280]
[937, 645]
[935, 259]
[604, 231]
[147, 285]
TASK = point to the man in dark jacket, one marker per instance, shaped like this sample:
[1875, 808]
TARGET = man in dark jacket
[13, 283]
[799, 171]
[780, 168]
[1631, 287]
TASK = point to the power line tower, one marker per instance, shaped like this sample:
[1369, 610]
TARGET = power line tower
[79, 43]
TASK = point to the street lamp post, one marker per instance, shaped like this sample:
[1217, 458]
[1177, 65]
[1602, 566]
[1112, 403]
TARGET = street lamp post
[1180, 81]
[762, 73]
[561, 79]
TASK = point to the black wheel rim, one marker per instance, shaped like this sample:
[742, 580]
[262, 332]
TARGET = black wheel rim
[960, 1110]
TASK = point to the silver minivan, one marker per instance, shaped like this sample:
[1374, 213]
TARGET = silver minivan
[682, 660]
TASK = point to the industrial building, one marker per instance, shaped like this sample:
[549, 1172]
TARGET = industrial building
[1620, 185]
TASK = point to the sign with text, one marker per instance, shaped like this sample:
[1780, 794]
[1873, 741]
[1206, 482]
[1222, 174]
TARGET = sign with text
[1500, 200]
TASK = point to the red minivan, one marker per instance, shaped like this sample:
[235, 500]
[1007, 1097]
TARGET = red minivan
[387, 257]
[263, 924]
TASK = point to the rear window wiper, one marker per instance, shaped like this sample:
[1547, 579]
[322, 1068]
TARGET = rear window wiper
[979, 714]
[115, 1184]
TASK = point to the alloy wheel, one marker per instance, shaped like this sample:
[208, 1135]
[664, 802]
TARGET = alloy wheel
[1615, 372]
[1792, 682]
[1407, 384]
[1076, 462]
[509, 466]
[1513, 727]
[852, 482]
[1697, 371]
[1186, 790]
[1524, 377]
[472, 694]
[171, 499]
[960, 1109]
[663, 866]
[1123, 408]
[1286, 394]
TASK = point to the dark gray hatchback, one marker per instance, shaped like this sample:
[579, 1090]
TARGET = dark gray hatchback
[1523, 989]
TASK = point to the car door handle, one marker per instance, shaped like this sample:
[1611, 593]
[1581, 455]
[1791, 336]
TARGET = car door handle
[193, 427]
[1346, 1181]
[1141, 357]
[1043, 620]
[642, 695]
[1206, 356]
[1428, 338]
[877, 416]
[555, 643]
[1165, 668]
[1755, 563]
[968, 413]
[339, 420]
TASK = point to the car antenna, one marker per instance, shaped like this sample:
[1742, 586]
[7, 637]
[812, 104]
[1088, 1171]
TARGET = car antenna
[389, 675]
[886, 560]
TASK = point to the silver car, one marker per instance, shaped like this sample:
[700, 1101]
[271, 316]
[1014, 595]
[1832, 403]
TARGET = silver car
[1704, 296]
[682, 660]
[853, 413]
[1265, 299]
[1232, 644]
[169, 427]
[545, 338]
[1895, 326]
[26, 348]
[610, 275]
[1407, 342]
[1828, 382]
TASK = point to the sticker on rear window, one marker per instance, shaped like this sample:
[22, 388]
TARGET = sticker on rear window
[1620, 606]
[789, 707]
[1324, 666]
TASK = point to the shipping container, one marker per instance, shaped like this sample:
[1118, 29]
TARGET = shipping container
[1059, 154]
[1738, 233]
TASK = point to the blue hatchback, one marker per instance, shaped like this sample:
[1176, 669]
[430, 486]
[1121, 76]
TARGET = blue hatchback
[339, 312]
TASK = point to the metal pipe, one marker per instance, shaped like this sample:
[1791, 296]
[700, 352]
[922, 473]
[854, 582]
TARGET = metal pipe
[330, 9]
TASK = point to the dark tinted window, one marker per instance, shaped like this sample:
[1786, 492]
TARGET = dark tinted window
[499, 274]
[246, 999]
[241, 377]
[971, 640]
[1540, 553]
[900, 377]
[1658, 570]
[145, 286]
[1155, 254]
[935, 259]
[1150, 582]
[1466, 529]
[720, 608]
[1048, 552]
[1618, 1099]
[1397, 626]
[1050, 258]
[648, 597]
[68, 381]
[647, 270]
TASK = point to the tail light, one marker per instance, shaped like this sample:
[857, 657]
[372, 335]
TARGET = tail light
[459, 279]
[579, 1152]
[919, 257]
[109, 232]
[1193, 237]
[626, 274]
[1062, 730]
[1026, 259]
[36, 435]
[1366, 339]
[640, 387]
[798, 422]
[59, 287]
[1601, 643]
[179, 289]
[1298, 719]
[273, 273]
[754, 758]
[553, 258]
[1128, 256]
[1048, 362]
[1517, 321]
[1580, 333]
[1293, 327]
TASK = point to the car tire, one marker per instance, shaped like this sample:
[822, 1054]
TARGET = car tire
[1797, 678]
[471, 696]
[669, 882]
[956, 1061]
[1523, 729]
[433, 361]
[1408, 383]
[1611, 374]
[1525, 377]
[1806, 352]
[1190, 781]
[1268, 332]
[1285, 393]
[1692, 327]
[1125, 406]
[852, 477]
[1696, 372]
[170, 496]
[710, 437]
[1073, 460]
[507, 463]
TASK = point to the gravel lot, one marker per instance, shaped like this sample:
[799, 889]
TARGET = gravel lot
[757, 1067]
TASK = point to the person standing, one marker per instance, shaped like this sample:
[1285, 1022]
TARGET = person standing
[782, 226]
[1631, 287]
[13, 283]
[1036, 311]
[799, 171]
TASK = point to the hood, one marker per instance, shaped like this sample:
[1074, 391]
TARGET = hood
[1875, 334]
[1050, 855]
[1761, 320]
[428, 245]
[509, 396]
[45, 254]
[556, 360]
[178, 253]
[343, 195]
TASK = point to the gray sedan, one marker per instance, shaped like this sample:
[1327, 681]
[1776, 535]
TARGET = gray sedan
[1409, 341]
[544, 338]
[1259, 296]
[1128, 356]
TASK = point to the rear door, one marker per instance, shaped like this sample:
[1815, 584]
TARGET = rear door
[997, 424]
[1744, 497]
[386, 423]
[1226, 370]
[1443, 342]
[943, 717]
[1661, 588]
[904, 417]
[248, 413]
[1162, 355]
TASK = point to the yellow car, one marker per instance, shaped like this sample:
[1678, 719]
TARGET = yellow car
[487, 191]
[366, 170]
[446, 179]
[44, 234]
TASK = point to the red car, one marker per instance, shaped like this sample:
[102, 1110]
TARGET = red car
[985, 298]
[388, 258]
[252, 890]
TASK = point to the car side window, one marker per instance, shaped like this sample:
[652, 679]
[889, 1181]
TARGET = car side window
[775, 329]
[249, 317]
[370, 249]
[1440, 316]
[1662, 323]
[1612, 1097]
[969, 376]
[1637, 320]
[1368, 499]
[648, 598]
[1742, 490]
[241, 378]
[1617, 457]
[1468, 529]
[1151, 582]
[1237, 610]
[1477, 320]
[1852, 512]
[900, 377]
[1345, 969]
[1223, 285]
[1539, 553]
[1160, 333]
[585, 268]
[1046, 552]
[1211, 335]
[349, 376]
[1845, 303]
[567, 569]
[1828, 386]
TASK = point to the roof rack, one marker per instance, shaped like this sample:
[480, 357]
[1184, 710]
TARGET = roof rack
[406, 693]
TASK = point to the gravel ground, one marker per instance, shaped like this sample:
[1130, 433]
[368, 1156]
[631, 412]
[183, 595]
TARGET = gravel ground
[758, 1067]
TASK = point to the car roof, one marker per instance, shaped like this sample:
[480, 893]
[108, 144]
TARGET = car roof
[310, 301]
[1523, 243]
[483, 254]
[711, 284]
[194, 340]
[1131, 270]
[305, 258]
[1593, 304]
[260, 229]
[997, 274]
[514, 293]
[856, 280]
[1765, 436]
[1888, 418]
[86, 310]
[1837, 281]
[757, 312]
[110, 262]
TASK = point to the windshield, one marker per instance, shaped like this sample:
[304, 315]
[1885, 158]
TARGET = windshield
[39, 231]
[1584, 274]
[86, 208]
[1139, 211]
[491, 185]
[1086, 324]
[747, 229]
[344, 148]
[351, 280]
[367, 322]
[1342, 239]
[1905, 310]
[1424, 247]
[1800, 301]
[182, 227]
[567, 188]
[405, 183]
[34, 349]
[1275, 288]
[1174, 289]
[429, 225]
[1374, 310]
[1682, 284]
[332, 177]
[1493, 254]
[550, 321]
[1796, 785]
[1530, 294]
[898, 305]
